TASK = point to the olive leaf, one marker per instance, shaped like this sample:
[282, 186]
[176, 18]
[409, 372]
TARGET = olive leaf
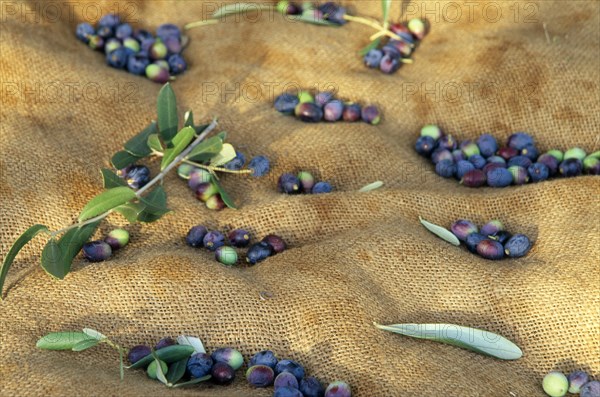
[121, 364]
[179, 142]
[131, 211]
[206, 149]
[167, 113]
[92, 333]
[439, 231]
[224, 195]
[138, 145]
[123, 159]
[311, 19]
[192, 341]
[188, 118]
[52, 260]
[85, 344]
[194, 381]
[226, 154]
[476, 340]
[371, 186]
[105, 201]
[156, 201]
[160, 375]
[169, 354]
[155, 144]
[238, 8]
[72, 241]
[110, 179]
[385, 6]
[23, 239]
[177, 370]
[61, 340]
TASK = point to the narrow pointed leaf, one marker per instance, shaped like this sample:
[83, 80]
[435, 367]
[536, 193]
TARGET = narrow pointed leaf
[439, 231]
[222, 135]
[110, 179]
[200, 128]
[23, 239]
[476, 340]
[105, 201]
[371, 186]
[224, 195]
[176, 371]
[138, 145]
[155, 144]
[85, 344]
[239, 8]
[206, 150]
[385, 6]
[226, 154]
[168, 354]
[167, 113]
[52, 260]
[149, 217]
[192, 341]
[130, 211]
[160, 375]
[92, 333]
[156, 201]
[180, 142]
[73, 240]
[61, 340]
[122, 159]
[194, 381]
[188, 118]
[121, 364]
[372, 45]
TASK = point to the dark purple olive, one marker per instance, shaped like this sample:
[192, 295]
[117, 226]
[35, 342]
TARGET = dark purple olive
[309, 112]
[490, 249]
[474, 178]
[275, 242]
[222, 374]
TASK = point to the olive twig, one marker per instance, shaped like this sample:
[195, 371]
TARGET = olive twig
[382, 31]
[197, 24]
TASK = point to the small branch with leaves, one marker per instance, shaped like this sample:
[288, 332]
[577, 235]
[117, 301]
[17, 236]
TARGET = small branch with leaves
[162, 140]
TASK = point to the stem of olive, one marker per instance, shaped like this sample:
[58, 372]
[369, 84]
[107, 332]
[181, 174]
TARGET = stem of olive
[147, 186]
[197, 24]
[382, 31]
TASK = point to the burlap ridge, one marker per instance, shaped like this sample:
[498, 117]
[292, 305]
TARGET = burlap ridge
[354, 258]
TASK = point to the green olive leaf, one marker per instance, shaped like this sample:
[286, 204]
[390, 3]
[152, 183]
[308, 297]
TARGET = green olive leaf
[52, 261]
[22, 241]
[385, 6]
[155, 144]
[226, 154]
[177, 370]
[439, 231]
[167, 113]
[224, 195]
[92, 333]
[122, 159]
[138, 145]
[188, 118]
[372, 45]
[239, 8]
[476, 340]
[194, 381]
[371, 186]
[160, 375]
[110, 179]
[206, 149]
[180, 142]
[61, 340]
[156, 201]
[131, 211]
[85, 344]
[72, 241]
[105, 201]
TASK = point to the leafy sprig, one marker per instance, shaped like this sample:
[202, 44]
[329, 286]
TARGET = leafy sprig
[162, 140]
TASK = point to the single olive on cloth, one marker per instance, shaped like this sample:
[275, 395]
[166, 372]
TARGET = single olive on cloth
[323, 106]
[483, 163]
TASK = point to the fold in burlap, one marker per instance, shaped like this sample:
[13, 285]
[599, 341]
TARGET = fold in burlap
[354, 258]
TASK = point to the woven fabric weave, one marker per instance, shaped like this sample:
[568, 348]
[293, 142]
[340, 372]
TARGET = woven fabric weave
[354, 258]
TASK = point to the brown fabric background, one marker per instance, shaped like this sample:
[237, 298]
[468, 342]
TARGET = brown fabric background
[354, 258]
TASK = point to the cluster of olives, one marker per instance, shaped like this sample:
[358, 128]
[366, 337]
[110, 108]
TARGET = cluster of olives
[481, 162]
[394, 53]
[329, 11]
[288, 378]
[304, 182]
[556, 384]
[324, 106]
[201, 182]
[199, 236]
[101, 250]
[491, 241]
[138, 52]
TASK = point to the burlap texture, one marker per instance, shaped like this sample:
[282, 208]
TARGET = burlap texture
[354, 258]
